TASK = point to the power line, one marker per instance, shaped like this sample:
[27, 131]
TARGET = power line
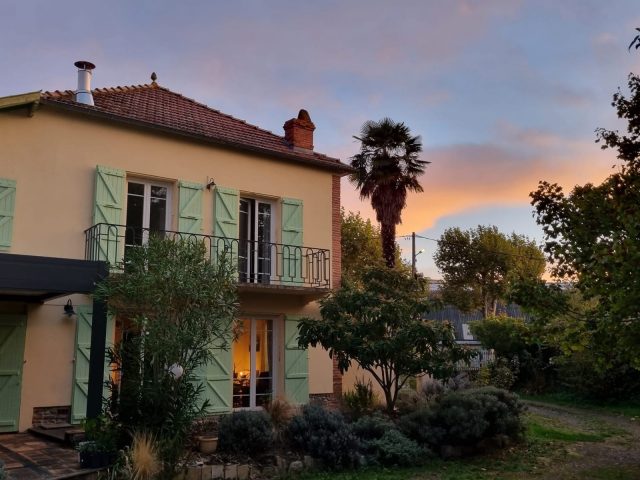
[528, 257]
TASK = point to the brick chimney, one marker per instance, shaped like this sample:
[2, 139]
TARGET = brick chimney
[298, 132]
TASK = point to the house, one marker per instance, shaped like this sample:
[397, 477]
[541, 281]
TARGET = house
[87, 174]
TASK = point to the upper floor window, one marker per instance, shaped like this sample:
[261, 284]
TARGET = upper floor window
[148, 205]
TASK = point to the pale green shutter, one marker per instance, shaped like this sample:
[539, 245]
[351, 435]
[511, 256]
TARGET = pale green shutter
[225, 223]
[217, 382]
[108, 210]
[12, 333]
[7, 207]
[292, 237]
[80, 390]
[296, 364]
[190, 208]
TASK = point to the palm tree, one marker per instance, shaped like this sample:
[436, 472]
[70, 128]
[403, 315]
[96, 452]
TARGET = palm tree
[387, 167]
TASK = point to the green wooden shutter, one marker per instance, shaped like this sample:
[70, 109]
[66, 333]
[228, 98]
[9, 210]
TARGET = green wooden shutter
[190, 207]
[108, 209]
[12, 333]
[217, 382]
[296, 364]
[292, 237]
[7, 207]
[80, 389]
[225, 223]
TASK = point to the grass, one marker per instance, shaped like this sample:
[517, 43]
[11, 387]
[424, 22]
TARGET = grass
[614, 473]
[540, 428]
[627, 408]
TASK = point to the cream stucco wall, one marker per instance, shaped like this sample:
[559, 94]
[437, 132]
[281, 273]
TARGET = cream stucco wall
[53, 156]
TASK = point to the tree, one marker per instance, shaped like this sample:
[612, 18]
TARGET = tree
[175, 306]
[379, 324]
[479, 266]
[387, 167]
[362, 247]
[592, 235]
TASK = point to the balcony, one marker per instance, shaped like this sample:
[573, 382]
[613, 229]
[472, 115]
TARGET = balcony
[261, 266]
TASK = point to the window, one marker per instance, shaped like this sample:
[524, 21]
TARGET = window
[255, 241]
[147, 210]
[253, 364]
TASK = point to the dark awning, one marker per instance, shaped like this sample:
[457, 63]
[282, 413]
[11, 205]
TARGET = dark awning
[28, 278]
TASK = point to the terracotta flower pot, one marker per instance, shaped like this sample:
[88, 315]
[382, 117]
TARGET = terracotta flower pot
[207, 444]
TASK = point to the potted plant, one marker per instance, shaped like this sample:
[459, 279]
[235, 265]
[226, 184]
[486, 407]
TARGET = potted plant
[100, 450]
[206, 435]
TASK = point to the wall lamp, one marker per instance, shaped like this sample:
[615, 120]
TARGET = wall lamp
[68, 309]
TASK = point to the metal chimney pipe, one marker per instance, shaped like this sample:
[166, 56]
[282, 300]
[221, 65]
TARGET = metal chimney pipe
[83, 93]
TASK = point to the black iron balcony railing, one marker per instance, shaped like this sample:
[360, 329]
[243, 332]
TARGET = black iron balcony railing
[260, 263]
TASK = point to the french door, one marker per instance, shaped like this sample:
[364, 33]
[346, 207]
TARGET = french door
[253, 364]
[255, 241]
[147, 211]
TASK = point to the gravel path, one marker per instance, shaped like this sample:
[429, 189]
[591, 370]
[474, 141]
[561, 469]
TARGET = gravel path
[617, 457]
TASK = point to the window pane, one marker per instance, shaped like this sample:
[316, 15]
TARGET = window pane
[157, 214]
[242, 366]
[264, 245]
[264, 361]
[158, 192]
[135, 206]
[243, 245]
[136, 189]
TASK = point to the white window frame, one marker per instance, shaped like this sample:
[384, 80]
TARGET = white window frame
[146, 204]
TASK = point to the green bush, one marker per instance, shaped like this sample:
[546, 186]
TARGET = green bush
[324, 435]
[394, 449]
[372, 427]
[501, 373]
[419, 427]
[467, 417]
[245, 432]
[409, 401]
[361, 400]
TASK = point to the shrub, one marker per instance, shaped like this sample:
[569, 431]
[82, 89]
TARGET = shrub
[419, 426]
[279, 411]
[361, 400]
[409, 401]
[3, 473]
[145, 462]
[467, 417]
[245, 432]
[501, 373]
[372, 427]
[324, 435]
[431, 388]
[393, 448]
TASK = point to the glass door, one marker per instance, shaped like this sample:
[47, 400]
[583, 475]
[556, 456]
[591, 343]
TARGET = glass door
[253, 368]
[255, 237]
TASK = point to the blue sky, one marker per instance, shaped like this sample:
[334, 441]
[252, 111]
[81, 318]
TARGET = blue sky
[504, 93]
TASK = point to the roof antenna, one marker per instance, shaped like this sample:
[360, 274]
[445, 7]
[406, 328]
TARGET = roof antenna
[154, 77]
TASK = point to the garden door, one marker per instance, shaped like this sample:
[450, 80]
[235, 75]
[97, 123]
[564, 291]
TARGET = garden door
[12, 334]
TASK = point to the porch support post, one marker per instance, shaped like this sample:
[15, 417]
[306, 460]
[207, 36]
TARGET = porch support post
[97, 353]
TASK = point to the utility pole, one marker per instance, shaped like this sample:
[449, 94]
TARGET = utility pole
[413, 254]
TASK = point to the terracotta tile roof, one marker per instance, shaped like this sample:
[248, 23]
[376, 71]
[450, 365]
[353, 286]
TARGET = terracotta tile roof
[155, 106]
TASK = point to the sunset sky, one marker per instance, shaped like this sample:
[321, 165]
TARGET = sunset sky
[504, 93]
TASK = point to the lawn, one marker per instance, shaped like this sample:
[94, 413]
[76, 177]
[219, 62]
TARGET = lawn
[628, 409]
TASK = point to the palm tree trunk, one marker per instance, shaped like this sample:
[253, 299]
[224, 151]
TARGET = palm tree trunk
[388, 233]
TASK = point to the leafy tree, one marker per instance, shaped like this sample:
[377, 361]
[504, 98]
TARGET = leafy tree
[387, 167]
[479, 266]
[379, 325]
[361, 246]
[592, 235]
[175, 305]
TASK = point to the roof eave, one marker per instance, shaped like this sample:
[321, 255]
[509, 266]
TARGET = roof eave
[30, 100]
[330, 164]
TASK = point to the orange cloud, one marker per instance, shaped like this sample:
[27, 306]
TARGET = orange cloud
[463, 177]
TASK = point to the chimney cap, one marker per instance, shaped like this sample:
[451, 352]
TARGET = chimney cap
[84, 65]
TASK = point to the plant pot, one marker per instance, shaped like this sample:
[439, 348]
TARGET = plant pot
[87, 459]
[207, 444]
